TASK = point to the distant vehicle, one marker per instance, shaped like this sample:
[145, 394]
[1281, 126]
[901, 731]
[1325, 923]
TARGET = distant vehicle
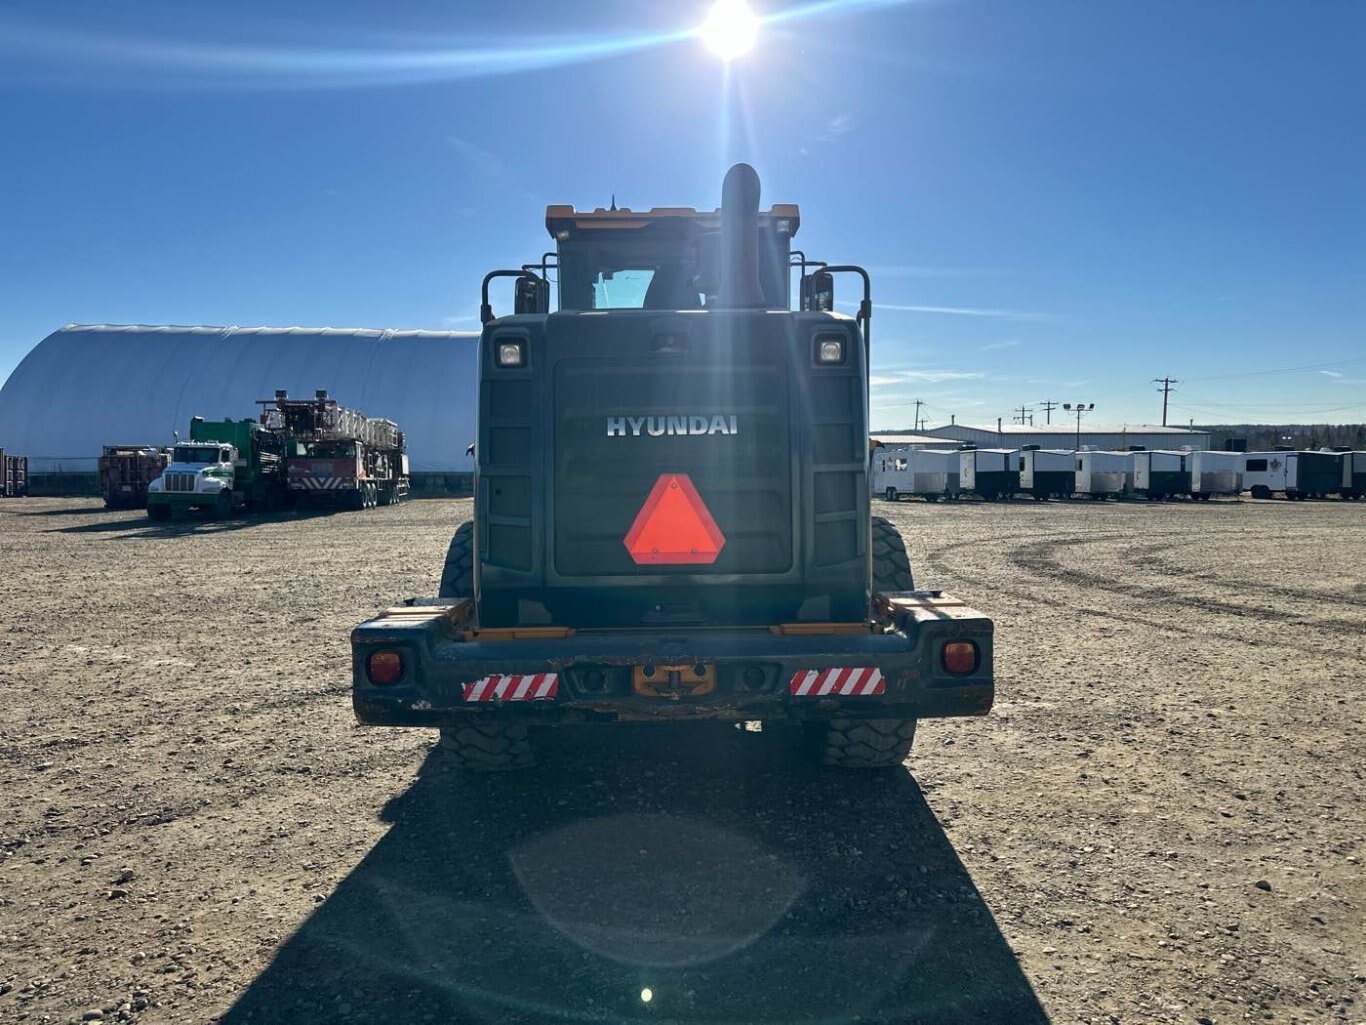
[1048, 473]
[1297, 475]
[1160, 473]
[127, 470]
[13, 476]
[1215, 473]
[992, 473]
[337, 455]
[928, 473]
[225, 466]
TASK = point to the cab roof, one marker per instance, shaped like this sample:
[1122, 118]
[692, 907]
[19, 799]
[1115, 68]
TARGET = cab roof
[562, 221]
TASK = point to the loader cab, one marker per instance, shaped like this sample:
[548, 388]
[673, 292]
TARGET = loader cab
[673, 443]
[662, 259]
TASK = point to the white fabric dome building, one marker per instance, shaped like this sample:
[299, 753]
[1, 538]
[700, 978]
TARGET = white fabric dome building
[87, 386]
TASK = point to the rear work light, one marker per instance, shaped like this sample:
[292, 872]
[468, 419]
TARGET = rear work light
[511, 354]
[384, 667]
[830, 350]
[960, 657]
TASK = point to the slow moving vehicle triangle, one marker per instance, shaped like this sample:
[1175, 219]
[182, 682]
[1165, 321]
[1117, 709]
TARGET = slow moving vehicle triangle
[674, 527]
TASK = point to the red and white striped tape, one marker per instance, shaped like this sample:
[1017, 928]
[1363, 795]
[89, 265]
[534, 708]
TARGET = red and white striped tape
[535, 687]
[819, 683]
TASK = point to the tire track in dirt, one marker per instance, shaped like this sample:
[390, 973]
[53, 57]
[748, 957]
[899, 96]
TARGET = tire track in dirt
[1084, 582]
[1042, 559]
[1134, 554]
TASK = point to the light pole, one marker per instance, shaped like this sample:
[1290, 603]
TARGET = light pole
[1080, 408]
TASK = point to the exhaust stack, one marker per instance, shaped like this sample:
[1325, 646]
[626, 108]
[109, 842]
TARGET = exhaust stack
[740, 288]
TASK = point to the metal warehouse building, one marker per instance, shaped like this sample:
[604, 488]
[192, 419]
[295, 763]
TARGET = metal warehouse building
[905, 441]
[1059, 435]
[87, 386]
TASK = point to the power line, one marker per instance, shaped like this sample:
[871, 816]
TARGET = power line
[1256, 405]
[1281, 370]
[1166, 388]
[1234, 411]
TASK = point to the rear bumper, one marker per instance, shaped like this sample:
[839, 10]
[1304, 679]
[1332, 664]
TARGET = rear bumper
[447, 668]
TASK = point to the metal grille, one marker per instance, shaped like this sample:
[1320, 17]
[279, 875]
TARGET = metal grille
[180, 481]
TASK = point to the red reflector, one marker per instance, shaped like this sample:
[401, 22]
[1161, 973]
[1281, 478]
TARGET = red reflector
[960, 657]
[674, 526]
[385, 667]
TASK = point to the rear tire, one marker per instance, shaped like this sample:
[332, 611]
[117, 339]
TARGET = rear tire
[480, 745]
[866, 743]
[457, 575]
[871, 743]
[891, 565]
[487, 745]
[890, 494]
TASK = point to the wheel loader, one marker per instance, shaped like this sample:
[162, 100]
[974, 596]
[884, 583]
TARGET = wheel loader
[671, 513]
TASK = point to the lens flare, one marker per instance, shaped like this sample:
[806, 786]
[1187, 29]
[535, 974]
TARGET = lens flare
[730, 29]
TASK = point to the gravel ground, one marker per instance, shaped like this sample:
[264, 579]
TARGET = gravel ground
[1161, 821]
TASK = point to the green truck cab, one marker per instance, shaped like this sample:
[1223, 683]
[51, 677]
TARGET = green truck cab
[225, 466]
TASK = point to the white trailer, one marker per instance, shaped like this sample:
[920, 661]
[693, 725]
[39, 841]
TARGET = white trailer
[1160, 473]
[929, 473]
[1297, 475]
[993, 473]
[1103, 475]
[1215, 473]
[1353, 475]
[1048, 473]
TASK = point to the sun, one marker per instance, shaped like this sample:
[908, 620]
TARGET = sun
[730, 29]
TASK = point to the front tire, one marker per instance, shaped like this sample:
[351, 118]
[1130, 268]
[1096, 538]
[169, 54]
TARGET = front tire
[222, 505]
[866, 743]
[158, 512]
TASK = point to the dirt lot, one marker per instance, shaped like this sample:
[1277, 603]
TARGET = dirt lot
[1162, 820]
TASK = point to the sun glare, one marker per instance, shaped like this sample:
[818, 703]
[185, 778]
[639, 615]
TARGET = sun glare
[730, 29]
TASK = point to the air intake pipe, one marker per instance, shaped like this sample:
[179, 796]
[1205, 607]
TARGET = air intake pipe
[740, 288]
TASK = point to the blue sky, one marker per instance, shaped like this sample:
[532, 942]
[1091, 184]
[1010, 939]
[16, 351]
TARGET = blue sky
[1059, 200]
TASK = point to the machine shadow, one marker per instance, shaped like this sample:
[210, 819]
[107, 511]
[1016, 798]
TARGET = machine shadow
[137, 527]
[679, 874]
[88, 510]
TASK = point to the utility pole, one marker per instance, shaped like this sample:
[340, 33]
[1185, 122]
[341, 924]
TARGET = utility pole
[1048, 406]
[1166, 388]
[1080, 407]
[918, 421]
[1022, 414]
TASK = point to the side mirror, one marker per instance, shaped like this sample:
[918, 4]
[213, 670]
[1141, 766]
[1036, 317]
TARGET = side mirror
[818, 291]
[531, 295]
